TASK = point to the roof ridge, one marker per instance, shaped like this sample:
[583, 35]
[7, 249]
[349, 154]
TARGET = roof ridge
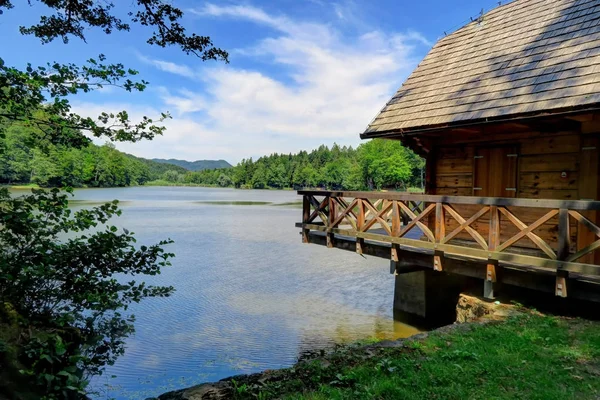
[457, 32]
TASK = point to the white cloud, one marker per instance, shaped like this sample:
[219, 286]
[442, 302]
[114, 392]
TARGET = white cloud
[168, 66]
[340, 12]
[321, 88]
[185, 137]
[280, 23]
[241, 11]
[185, 102]
[413, 35]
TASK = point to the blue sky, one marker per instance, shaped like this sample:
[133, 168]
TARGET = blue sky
[302, 72]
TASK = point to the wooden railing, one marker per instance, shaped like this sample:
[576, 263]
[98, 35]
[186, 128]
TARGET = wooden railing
[435, 223]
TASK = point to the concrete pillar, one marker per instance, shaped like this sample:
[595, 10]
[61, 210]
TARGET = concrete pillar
[428, 294]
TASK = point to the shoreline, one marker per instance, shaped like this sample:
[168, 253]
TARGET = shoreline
[162, 184]
[491, 351]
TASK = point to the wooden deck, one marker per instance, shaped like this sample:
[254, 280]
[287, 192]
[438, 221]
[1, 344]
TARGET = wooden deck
[418, 231]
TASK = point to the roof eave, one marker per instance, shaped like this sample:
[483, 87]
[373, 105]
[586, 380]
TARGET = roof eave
[483, 121]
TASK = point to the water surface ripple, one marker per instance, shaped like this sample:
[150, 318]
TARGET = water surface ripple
[250, 296]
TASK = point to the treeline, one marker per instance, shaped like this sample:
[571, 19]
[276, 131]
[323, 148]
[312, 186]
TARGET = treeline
[51, 165]
[375, 164]
[372, 165]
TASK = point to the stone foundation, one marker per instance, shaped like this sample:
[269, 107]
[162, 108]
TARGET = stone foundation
[429, 295]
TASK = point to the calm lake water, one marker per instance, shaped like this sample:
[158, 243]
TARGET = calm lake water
[250, 296]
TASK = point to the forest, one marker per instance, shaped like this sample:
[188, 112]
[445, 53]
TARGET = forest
[376, 164]
[55, 165]
[372, 165]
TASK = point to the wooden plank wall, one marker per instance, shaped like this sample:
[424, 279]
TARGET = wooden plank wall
[549, 167]
[454, 171]
[542, 161]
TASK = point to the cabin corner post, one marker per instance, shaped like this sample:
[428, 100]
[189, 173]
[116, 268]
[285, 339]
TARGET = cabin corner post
[430, 171]
[564, 245]
[305, 217]
[492, 264]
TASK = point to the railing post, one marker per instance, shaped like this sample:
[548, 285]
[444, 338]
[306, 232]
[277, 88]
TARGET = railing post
[305, 217]
[440, 232]
[330, 219]
[360, 222]
[493, 242]
[396, 226]
[564, 248]
[396, 222]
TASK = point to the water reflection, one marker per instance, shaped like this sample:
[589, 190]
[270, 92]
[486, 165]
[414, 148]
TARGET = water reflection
[250, 296]
[234, 203]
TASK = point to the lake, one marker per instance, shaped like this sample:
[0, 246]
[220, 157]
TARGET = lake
[250, 296]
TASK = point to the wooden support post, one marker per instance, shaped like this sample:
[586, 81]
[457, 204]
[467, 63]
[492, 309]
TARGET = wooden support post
[395, 252]
[396, 227]
[396, 223]
[305, 217]
[493, 242]
[564, 247]
[360, 223]
[437, 261]
[490, 274]
[360, 242]
[393, 267]
[331, 217]
[561, 283]
[440, 232]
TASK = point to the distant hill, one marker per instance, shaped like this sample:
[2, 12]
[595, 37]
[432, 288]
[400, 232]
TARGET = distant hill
[157, 169]
[198, 165]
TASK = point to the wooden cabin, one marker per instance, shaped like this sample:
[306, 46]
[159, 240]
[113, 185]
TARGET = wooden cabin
[505, 110]
[508, 106]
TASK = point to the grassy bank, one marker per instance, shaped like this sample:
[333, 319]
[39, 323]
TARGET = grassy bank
[22, 187]
[525, 357]
[162, 182]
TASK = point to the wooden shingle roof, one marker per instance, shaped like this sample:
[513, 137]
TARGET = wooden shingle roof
[525, 57]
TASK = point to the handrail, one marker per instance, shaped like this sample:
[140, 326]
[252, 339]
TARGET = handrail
[488, 201]
[388, 217]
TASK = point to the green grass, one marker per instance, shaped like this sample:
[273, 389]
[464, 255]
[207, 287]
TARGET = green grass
[525, 357]
[161, 182]
[24, 187]
[415, 190]
[293, 204]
